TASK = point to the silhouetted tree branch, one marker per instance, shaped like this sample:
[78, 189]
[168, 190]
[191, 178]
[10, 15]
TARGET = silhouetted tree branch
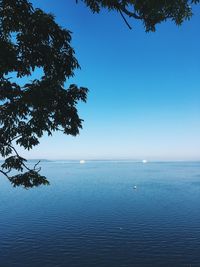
[150, 12]
[30, 39]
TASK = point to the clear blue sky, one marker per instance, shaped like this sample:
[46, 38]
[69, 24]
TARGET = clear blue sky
[144, 99]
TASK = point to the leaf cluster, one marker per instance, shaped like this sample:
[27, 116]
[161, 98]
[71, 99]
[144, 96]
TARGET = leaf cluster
[30, 39]
[150, 12]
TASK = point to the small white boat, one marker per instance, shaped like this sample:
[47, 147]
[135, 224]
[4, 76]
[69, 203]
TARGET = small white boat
[144, 161]
[82, 161]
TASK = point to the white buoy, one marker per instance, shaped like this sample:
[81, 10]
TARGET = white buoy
[144, 161]
[82, 161]
[135, 187]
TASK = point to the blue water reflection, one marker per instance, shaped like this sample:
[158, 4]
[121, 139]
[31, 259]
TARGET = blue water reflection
[90, 215]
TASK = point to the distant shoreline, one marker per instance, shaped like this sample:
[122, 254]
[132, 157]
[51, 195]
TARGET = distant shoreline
[110, 160]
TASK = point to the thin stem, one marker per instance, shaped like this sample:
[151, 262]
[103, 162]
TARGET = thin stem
[5, 173]
[129, 13]
[23, 164]
[125, 20]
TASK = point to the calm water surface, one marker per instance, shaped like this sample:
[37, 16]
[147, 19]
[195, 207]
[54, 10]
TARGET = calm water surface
[92, 216]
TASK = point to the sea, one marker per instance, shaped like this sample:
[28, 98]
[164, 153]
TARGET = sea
[103, 213]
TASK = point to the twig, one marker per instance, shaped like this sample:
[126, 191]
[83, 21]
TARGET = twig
[130, 14]
[5, 173]
[35, 167]
[125, 19]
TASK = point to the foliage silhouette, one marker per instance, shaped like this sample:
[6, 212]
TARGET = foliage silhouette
[150, 12]
[30, 39]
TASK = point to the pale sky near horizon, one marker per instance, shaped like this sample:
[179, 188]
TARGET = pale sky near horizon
[144, 99]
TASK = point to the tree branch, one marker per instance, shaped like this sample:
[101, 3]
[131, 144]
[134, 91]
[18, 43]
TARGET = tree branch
[23, 164]
[5, 174]
[125, 19]
[130, 14]
[36, 166]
